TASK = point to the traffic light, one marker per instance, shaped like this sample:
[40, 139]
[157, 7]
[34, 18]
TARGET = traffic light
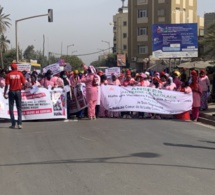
[50, 15]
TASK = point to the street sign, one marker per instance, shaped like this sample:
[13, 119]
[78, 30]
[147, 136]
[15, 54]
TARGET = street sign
[175, 40]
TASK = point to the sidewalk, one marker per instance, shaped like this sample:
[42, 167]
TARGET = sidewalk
[208, 116]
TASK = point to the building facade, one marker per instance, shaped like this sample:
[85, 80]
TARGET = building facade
[143, 14]
[120, 31]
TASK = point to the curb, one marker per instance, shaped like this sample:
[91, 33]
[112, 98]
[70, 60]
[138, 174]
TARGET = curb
[207, 119]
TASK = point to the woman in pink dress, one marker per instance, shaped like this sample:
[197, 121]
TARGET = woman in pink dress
[2, 78]
[185, 89]
[169, 85]
[91, 91]
[33, 81]
[143, 80]
[48, 80]
[114, 81]
[197, 91]
[75, 79]
[205, 85]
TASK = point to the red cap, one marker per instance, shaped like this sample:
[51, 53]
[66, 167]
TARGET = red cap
[13, 66]
[193, 72]
[162, 73]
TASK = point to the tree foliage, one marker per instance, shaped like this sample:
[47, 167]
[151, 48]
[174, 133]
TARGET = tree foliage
[29, 53]
[74, 61]
[9, 57]
[4, 21]
[3, 47]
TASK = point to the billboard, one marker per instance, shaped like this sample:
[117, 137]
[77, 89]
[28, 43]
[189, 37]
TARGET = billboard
[121, 60]
[175, 40]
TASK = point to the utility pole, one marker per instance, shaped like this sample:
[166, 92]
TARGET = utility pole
[50, 19]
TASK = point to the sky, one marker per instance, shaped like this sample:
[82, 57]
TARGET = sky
[83, 23]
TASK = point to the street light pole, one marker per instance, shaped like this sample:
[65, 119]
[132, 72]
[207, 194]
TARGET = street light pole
[74, 52]
[108, 44]
[68, 47]
[16, 31]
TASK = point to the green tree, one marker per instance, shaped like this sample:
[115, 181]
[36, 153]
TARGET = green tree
[9, 57]
[209, 42]
[4, 21]
[29, 53]
[74, 61]
[3, 47]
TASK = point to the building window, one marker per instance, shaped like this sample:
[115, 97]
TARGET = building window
[124, 47]
[142, 49]
[161, 12]
[142, 31]
[142, 13]
[124, 35]
[124, 23]
[142, 2]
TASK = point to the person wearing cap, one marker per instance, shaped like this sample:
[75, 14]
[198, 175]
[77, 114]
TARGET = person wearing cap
[75, 79]
[15, 80]
[176, 80]
[205, 85]
[155, 83]
[143, 81]
[129, 81]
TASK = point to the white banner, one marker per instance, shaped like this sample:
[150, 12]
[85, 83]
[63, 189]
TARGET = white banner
[24, 67]
[78, 101]
[55, 68]
[113, 70]
[43, 104]
[143, 99]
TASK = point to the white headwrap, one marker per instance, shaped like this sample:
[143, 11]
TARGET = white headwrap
[93, 70]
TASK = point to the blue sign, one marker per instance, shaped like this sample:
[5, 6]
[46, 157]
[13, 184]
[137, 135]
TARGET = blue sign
[175, 40]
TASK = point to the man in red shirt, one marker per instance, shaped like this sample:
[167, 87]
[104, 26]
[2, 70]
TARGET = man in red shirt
[15, 80]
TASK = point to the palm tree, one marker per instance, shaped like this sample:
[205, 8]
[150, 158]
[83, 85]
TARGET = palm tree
[4, 21]
[3, 47]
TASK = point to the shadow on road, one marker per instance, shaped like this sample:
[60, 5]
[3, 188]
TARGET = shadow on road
[108, 160]
[188, 146]
[209, 142]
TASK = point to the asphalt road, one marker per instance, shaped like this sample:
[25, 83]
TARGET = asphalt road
[107, 157]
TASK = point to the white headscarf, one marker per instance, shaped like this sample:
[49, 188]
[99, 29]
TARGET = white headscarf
[93, 70]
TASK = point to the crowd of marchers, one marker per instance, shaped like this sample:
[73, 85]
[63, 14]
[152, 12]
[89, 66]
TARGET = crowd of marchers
[196, 82]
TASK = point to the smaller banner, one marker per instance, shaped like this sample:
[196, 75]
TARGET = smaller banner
[43, 104]
[121, 60]
[113, 70]
[55, 68]
[78, 101]
[143, 99]
[24, 67]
